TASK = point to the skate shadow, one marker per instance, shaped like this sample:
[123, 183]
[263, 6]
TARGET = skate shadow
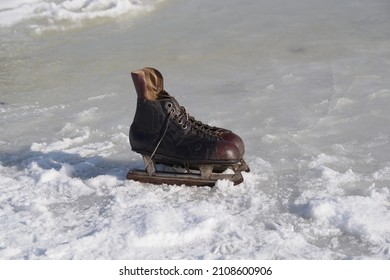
[83, 167]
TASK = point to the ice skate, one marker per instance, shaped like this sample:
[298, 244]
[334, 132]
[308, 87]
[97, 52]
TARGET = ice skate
[223, 133]
[164, 133]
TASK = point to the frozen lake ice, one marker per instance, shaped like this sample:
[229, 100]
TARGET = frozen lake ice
[304, 83]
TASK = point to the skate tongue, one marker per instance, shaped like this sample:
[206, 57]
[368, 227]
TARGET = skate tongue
[148, 83]
[164, 95]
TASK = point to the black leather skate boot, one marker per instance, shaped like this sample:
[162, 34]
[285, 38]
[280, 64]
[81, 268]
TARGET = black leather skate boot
[163, 132]
[157, 81]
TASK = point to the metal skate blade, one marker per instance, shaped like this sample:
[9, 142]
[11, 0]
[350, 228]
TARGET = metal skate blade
[243, 166]
[188, 179]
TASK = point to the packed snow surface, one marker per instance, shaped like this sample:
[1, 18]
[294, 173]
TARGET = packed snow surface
[304, 83]
[44, 15]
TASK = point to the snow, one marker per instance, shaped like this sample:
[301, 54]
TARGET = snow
[304, 84]
[67, 14]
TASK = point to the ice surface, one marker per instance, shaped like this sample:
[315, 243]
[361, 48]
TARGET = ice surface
[43, 15]
[305, 83]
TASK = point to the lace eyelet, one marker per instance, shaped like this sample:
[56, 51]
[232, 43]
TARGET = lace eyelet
[184, 126]
[168, 105]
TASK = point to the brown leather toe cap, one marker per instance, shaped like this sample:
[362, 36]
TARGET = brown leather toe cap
[226, 151]
[235, 139]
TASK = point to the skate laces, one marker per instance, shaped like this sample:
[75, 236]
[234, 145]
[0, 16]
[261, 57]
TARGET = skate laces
[205, 127]
[184, 119]
[159, 141]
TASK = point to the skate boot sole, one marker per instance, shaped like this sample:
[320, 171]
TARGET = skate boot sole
[168, 160]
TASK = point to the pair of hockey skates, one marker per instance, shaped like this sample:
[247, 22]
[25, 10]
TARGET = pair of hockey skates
[165, 134]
